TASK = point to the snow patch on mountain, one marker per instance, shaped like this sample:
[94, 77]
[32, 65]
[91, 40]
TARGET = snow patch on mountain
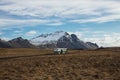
[48, 38]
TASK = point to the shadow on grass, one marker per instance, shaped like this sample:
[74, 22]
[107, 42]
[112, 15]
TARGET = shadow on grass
[12, 57]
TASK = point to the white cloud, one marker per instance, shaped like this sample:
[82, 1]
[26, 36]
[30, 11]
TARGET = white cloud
[31, 33]
[1, 33]
[10, 23]
[55, 23]
[107, 40]
[18, 31]
[7, 22]
[80, 11]
[79, 34]
[5, 38]
[100, 37]
[99, 19]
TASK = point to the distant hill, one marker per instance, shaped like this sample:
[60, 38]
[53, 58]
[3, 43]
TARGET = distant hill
[61, 39]
[4, 44]
[20, 43]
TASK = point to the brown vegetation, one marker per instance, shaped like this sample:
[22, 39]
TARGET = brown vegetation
[35, 64]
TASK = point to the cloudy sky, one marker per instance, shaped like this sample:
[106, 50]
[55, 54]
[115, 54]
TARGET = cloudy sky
[92, 20]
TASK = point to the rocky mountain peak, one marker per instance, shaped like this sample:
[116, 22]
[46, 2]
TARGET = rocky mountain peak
[20, 43]
[61, 39]
[48, 38]
[58, 39]
[17, 39]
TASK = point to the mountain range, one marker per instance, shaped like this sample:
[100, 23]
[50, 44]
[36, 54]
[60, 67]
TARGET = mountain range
[59, 39]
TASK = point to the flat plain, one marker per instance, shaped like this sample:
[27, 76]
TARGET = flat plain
[40, 64]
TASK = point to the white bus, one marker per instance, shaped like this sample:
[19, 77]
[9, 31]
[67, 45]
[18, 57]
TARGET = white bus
[60, 50]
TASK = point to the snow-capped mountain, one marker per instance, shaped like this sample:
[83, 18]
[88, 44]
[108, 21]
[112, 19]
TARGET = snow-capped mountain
[61, 39]
[48, 38]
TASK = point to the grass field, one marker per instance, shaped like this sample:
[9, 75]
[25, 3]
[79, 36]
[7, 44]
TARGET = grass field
[36, 64]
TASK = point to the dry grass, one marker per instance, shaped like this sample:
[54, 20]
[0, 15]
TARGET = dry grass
[34, 64]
